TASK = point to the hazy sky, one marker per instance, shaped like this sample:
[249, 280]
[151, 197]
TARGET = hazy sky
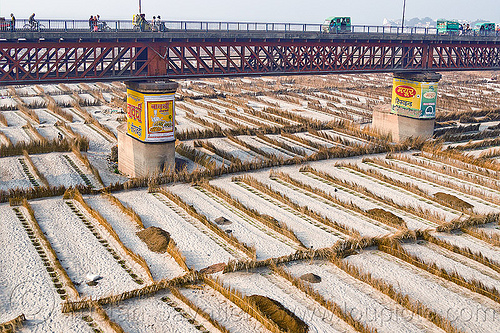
[311, 11]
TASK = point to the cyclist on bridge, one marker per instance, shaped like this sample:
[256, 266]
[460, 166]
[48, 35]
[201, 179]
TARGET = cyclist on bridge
[32, 22]
[32, 19]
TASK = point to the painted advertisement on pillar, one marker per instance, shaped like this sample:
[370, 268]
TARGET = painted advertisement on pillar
[429, 97]
[136, 123]
[150, 117]
[414, 99]
[160, 118]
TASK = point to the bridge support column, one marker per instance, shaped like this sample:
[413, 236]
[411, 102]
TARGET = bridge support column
[412, 111]
[146, 143]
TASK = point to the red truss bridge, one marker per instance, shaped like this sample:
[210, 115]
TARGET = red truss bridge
[67, 51]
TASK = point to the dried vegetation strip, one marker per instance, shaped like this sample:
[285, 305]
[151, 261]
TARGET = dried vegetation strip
[396, 250]
[404, 300]
[441, 199]
[6, 140]
[40, 176]
[415, 210]
[33, 133]
[483, 166]
[88, 119]
[266, 220]
[453, 168]
[380, 215]
[331, 306]
[103, 317]
[150, 289]
[488, 237]
[220, 152]
[442, 181]
[172, 248]
[125, 209]
[47, 146]
[58, 270]
[198, 310]
[84, 159]
[248, 250]
[3, 121]
[268, 190]
[196, 156]
[53, 107]
[465, 251]
[75, 195]
[242, 302]
[288, 149]
[13, 325]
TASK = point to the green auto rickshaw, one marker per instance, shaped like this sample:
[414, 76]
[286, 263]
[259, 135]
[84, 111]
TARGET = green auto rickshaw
[336, 24]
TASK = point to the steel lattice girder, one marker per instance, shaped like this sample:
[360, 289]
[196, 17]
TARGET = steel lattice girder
[116, 60]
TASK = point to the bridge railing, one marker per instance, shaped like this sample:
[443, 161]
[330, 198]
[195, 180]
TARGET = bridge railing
[128, 25]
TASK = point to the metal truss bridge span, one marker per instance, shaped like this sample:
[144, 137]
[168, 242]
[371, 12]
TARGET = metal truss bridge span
[52, 57]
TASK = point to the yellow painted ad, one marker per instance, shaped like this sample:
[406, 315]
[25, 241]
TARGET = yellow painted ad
[414, 99]
[406, 97]
[135, 115]
[150, 117]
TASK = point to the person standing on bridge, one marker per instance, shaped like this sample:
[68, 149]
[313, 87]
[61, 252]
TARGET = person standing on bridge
[153, 24]
[143, 22]
[160, 24]
[12, 22]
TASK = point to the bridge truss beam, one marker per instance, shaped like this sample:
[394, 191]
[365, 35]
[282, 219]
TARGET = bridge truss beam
[38, 62]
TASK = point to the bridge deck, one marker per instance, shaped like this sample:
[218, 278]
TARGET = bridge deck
[85, 35]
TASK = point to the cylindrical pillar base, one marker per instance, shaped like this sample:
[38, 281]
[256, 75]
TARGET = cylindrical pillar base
[412, 112]
[146, 144]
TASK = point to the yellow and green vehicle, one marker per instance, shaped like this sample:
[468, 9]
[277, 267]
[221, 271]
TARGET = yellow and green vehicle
[337, 24]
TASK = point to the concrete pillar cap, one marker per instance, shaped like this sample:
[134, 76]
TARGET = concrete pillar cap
[418, 76]
[152, 86]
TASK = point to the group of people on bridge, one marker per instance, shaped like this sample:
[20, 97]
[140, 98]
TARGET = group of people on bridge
[95, 24]
[142, 24]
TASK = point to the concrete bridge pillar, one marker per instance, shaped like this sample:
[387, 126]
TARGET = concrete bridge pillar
[146, 143]
[412, 111]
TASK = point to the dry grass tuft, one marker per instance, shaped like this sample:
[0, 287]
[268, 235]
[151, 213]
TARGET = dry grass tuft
[155, 238]
[456, 203]
[12, 325]
[279, 314]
